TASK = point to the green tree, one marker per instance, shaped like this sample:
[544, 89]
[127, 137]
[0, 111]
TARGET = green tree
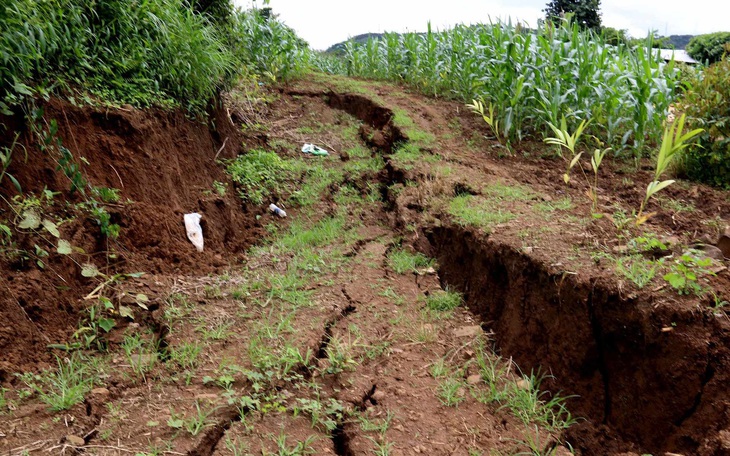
[709, 47]
[585, 12]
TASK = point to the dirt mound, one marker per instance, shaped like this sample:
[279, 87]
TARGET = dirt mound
[164, 165]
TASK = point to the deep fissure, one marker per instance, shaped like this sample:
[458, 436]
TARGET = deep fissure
[602, 355]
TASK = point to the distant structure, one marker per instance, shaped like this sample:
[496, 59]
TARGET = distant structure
[678, 55]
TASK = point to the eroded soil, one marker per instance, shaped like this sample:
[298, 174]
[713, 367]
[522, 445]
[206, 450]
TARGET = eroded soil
[325, 332]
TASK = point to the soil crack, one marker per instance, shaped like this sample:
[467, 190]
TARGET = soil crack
[598, 339]
[327, 335]
[209, 442]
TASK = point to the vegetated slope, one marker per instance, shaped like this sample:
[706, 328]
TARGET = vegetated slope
[337, 321]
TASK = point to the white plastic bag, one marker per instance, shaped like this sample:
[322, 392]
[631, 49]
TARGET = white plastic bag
[195, 232]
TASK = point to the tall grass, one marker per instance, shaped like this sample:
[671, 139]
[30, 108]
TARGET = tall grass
[134, 51]
[530, 78]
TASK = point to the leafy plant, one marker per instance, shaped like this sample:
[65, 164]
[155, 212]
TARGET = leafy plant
[92, 331]
[673, 142]
[6, 158]
[563, 138]
[477, 107]
[258, 173]
[685, 273]
[710, 47]
[707, 105]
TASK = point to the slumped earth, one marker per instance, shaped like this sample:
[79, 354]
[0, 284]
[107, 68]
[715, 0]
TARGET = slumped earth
[425, 294]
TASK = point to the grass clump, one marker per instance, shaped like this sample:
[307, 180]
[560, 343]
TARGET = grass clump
[65, 386]
[515, 192]
[470, 211]
[258, 174]
[637, 269]
[409, 154]
[403, 261]
[443, 300]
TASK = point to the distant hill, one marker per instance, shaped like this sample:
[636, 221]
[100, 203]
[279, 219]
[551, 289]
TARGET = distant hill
[679, 41]
[673, 41]
[339, 48]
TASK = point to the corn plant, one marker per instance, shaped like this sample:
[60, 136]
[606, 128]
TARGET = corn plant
[673, 142]
[563, 138]
[477, 107]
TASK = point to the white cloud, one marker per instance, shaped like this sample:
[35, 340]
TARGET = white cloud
[325, 22]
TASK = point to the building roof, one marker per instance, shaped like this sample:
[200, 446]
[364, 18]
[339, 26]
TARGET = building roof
[678, 55]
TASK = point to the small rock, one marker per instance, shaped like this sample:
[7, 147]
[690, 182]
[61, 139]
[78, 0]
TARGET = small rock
[528, 250]
[547, 198]
[711, 251]
[523, 384]
[468, 331]
[75, 440]
[100, 392]
[378, 395]
[474, 379]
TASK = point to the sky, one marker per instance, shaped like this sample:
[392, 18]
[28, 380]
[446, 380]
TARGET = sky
[325, 22]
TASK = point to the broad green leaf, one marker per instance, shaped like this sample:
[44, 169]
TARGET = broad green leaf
[142, 300]
[175, 423]
[51, 228]
[575, 160]
[656, 186]
[64, 247]
[126, 312]
[106, 302]
[106, 324]
[15, 183]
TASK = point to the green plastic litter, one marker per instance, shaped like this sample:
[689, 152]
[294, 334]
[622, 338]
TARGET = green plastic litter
[314, 150]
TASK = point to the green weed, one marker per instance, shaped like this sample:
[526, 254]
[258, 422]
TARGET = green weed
[403, 261]
[637, 269]
[65, 386]
[443, 300]
[257, 174]
[473, 211]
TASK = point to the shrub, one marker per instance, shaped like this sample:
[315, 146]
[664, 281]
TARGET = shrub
[709, 47]
[707, 106]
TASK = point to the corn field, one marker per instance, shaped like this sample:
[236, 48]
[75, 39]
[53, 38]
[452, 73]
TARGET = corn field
[529, 78]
